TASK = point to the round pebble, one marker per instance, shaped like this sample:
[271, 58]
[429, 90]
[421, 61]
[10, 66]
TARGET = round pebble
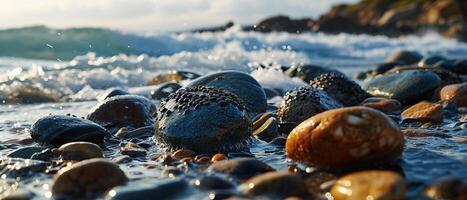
[80, 151]
[346, 136]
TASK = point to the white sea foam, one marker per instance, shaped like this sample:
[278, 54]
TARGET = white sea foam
[86, 75]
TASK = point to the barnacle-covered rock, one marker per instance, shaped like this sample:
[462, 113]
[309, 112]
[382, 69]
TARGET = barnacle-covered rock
[243, 85]
[301, 103]
[203, 119]
[339, 87]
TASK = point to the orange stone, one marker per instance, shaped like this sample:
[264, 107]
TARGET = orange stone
[424, 109]
[382, 104]
[345, 137]
[371, 184]
[455, 93]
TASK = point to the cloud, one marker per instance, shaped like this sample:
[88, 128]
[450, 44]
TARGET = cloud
[153, 15]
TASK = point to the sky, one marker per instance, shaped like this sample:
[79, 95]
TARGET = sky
[152, 15]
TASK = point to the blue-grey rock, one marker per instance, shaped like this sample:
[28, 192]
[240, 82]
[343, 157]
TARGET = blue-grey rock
[240, 168]
[238, 83]
[406, 57]
[59, 129]
[407, 87]
[25, 152]
[456, 66]
[430, 61]
[203, 120]
[142, 190]
[123, 111]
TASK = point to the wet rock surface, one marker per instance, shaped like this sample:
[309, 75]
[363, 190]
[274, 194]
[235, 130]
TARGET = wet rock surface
[455, 93]
[382, 104]
[370, 185]
[123, 111]
[243, 85]
[90, 176]
[58, 129]
[80, 151]
[241, 168]
[406, 87]
[339, 87]
[424, 109]
[203, 119]
[344, 137]
[301, 103]
[275, 185]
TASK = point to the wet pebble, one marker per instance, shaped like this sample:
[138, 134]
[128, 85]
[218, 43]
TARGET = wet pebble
[172, 76]
[448, 188]
[123, 111]
[203, 120]
[80, 151]
[268, 130]
[240, 168]
[95, 175]
[145, 189]
[241, 84]
[25, 152]
[133, 150]
[404, 56]
[58, 129]
[183, 153]
[344, 137]
[301, 103]
[455, 93]
[340, 88]
[212, 182]
[276, 185]
[430, 61]
[373, 184]
[407, 87]
[424, 110]
[382, 104]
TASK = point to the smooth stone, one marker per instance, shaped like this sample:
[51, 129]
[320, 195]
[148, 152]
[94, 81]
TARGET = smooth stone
[309, 72]
[213, 182]
[133, 150]
[406, 57]
[346, 137]
[80, 151]
[240, 168]
[241, 84]
[430, 61]
[183, 153]
[142, 190]
[25, 152]
[407, 86]
[301, 103]
[44, 155]
[111, 93]
[276, 185]
[268, 130]
[447, 188]
[172, 76]
[123, 111]
[58, 129]
[164, 90]
[95, 175]
[455, 93]
[19, 167]
[205, 120]
[456, 66]
[382, 104]
[424, 109]
[372, 184]
[345, 91]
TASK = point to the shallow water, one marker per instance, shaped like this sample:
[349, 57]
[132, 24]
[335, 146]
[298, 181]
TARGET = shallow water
[78, 82]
